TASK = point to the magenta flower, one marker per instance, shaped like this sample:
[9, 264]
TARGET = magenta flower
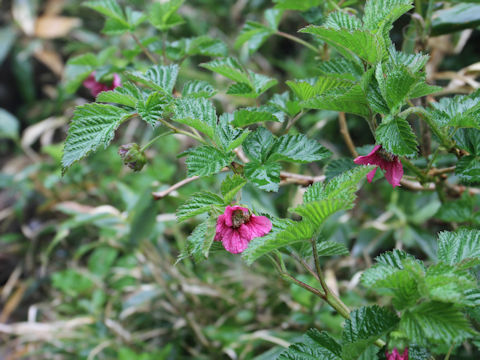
[97, 87]
[236, 227]
[395, 355]
[388, 162]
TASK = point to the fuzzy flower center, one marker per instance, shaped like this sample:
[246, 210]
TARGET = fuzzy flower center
[385, 155]
[239, 218]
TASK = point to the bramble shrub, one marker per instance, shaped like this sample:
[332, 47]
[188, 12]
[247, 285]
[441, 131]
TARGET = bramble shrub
[427, 308]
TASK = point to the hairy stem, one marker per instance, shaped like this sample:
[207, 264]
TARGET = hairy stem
[144, 49]
[147, 145]
[298, 40]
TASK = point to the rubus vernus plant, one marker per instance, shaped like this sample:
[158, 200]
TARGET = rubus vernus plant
[432, 307]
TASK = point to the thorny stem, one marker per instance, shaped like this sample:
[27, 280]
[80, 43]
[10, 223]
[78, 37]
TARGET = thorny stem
[298, 40]
[144, 49]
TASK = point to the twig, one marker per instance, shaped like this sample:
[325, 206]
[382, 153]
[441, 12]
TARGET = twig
[298, 40]
[342, 121]
[144, 49]
[161, 194]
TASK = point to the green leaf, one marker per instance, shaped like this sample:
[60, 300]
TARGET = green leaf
[364, 327]
[199, 113]
[163, 15]
[206, 160]
[261, 83]
[339, 20]
[359, 43]
[128, 95]
[468, 169]
[254, 35]
[337, 167]
[310, 88]
[109, 8]
[315, 345]
[379, 13]
[282, 102]
[266, 176]
[460, 111]
[297, 148]
[303, 5]
[151, 109]
[198, 88]
[199, 45]
[456, 18]
[341, 68]
[316, 212]
[468, 140]
[258, 144]
[461, 210]
[242, 89]
[418, 353]
[351, 101]
[331, 248]
[395, 84]
[435, 322]
[77, 70]
[397, 137]
[92, 125]
[457, 247]
[248, 116]
[199, 203]
[228, 136]
[230, 68]
[9, 125]
[231, 186]
[158, 77]
[200, 240]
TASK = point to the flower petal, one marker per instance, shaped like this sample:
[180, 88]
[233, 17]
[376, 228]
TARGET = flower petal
[371, 159]
[259, 225]
[371, 175]
[233, 242]
[221, 228]
[394, 172]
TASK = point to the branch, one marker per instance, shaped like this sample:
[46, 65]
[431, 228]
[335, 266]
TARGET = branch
[342, 121]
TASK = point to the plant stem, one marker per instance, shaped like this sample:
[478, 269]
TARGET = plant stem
[342, 121]
[298, 40]
[423, 176]
[180, 131]
[318, 268]
[144, 49]
[290, 123]
[147, 145]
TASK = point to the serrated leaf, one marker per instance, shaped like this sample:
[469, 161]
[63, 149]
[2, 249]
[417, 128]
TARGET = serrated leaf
[92, 125]
[109, 8]
[342, 68]
[164, 15]
[397, 137]
[201, 239]
[258, 144]
[282, 102]
[423, 89]
[460, 111]
[198, 88]
[461, 210]
[468, 140]
[365, 325]
[331, 248]
[297, 148]
[316, 212]
[242, 89]
[228, 67]
[231, 186]
[310, 88]
[206, 160]
[199, 45]
[249, 116]
[351, 101]
[340, 20]
[416, 352]
[395, 84]
[151, 109]
[261, 83]
[158, 77]
[266, 176]
[337, 167]
[379, 12]
[78, 69]
[435, 322]
[456, 247]
[198, 203]
[254, 35]
[303, 5]
[199, 113]
[315, 345]
[468, 169]
[127, 95]
[359, 43]
[228, 136]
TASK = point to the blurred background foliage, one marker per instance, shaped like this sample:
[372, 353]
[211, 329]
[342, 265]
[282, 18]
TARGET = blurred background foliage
[88, 261]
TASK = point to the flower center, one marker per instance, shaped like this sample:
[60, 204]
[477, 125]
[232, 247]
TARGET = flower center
[386, 155]
[239, 217]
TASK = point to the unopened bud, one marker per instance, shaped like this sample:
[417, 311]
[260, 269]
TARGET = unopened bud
[132, 156]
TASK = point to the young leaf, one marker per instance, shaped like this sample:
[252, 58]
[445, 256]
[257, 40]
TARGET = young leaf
[341, 68]
[258, 144]
[456, 247]
[339, 20]
[310, 88]
[199, 203]
[231, 186]
[460, 111]
[201, 239]
[198, 88]
[163, 15]
[435, 322]
[228, 136]
[78, 69]
[158, 77]
[315, 345]
[266, 176]
[261, 83]
[297, 148]
[395, 84]
[248, 116]
[365, 325]
[92, 125]
[151, 109]
[127, 95]
[380, 12]
[283, 103]
[254, 34]
[109, 8]
[199, 113]
[397, 137]
[228, 67]
[206, 160]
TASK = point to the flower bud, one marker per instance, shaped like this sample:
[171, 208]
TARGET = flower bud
[132, 156]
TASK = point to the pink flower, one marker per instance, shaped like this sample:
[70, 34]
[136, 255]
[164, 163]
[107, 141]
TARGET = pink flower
[389, 163]
[395, 355]
[96, 87]
[236, 227]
